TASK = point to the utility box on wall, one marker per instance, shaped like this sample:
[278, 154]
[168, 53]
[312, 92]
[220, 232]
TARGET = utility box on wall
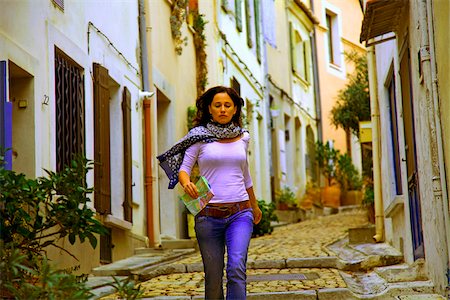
[365, 132]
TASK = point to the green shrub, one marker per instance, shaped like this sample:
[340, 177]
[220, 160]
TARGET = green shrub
[369, 194]
[34, 215]
[287, 196]
[326, 158]
[347, 174]
[268, 216]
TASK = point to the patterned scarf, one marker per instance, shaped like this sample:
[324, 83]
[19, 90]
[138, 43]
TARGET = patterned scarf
[172, 159]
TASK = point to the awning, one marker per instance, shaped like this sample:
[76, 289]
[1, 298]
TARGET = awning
[381, 17]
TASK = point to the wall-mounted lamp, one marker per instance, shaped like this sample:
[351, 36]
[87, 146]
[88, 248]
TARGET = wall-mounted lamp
[145, 94]
[142, 96]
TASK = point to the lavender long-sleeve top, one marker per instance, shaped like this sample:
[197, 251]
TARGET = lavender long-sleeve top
[225, 167]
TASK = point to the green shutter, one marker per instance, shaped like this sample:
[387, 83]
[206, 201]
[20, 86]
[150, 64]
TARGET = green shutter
[257, 30]
[248, 24]
[238, 14]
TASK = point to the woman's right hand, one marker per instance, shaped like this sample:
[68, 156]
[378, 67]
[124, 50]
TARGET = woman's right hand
[191, 189]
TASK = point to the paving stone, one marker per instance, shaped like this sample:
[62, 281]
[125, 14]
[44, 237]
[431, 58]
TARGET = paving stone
[335, 294]
[268, 264]
[421, 297]
[302, 295]
[312, 262]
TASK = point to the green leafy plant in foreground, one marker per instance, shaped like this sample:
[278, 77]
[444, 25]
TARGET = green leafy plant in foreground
[268, 215]
[34, 215]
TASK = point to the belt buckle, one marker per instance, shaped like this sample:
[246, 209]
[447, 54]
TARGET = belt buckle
[226, 209]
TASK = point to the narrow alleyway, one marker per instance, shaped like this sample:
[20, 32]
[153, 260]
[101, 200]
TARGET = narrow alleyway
[306, 260]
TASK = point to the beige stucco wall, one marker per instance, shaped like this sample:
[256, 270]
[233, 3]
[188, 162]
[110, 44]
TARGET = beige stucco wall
[278, 59]
[293, 98]
[397, 208]
[174, 76]
[29, 33]
[432, 210]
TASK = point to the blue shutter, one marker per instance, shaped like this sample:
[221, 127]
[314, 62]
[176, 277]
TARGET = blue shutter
[6, 118]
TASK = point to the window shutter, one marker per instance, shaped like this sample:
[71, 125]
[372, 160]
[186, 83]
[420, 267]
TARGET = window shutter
[126, 112]
[292, 46]
[102, 168]
[248, 23]
[238, 14]
[236, 85]
[257, 30]
[6, 117]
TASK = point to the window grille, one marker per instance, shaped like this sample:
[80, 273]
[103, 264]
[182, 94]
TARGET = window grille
[106, 247]
[69, 101]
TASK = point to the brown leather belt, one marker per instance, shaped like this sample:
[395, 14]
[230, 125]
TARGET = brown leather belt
[224, 210]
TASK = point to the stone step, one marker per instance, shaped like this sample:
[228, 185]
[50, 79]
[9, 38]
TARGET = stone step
[179, 244]
[133, 264]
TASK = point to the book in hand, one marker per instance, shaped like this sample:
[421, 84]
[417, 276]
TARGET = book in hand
[195, 205]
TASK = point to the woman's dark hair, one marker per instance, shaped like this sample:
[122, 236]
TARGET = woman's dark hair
[203, 102]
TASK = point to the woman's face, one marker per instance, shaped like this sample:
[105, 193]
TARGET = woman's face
[222, 108]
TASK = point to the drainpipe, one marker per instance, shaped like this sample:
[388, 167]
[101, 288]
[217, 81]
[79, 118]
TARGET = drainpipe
[375, 115]
[428, 60]
[146, 95]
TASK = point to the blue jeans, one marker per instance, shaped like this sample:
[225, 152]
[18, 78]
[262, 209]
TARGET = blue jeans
[213, 234]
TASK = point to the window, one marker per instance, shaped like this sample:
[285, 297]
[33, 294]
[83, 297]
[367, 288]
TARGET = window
[333, 38]
[69, 92]
[394, 136]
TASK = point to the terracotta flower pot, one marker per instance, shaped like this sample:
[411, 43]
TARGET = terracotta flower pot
[331, 196]
[353, 197]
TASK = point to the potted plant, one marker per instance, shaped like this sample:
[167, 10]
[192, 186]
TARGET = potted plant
[286, 198]
[326, 158]
[349, 179]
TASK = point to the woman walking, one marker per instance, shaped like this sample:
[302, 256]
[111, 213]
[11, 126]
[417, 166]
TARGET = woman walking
[220, 145]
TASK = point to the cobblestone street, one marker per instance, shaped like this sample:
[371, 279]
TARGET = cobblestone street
[294, 262]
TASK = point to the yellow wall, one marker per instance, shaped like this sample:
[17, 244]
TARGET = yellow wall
[174, 76]
[442, 40]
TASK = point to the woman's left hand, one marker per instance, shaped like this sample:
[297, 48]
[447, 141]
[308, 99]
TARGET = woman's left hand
[257, 214]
